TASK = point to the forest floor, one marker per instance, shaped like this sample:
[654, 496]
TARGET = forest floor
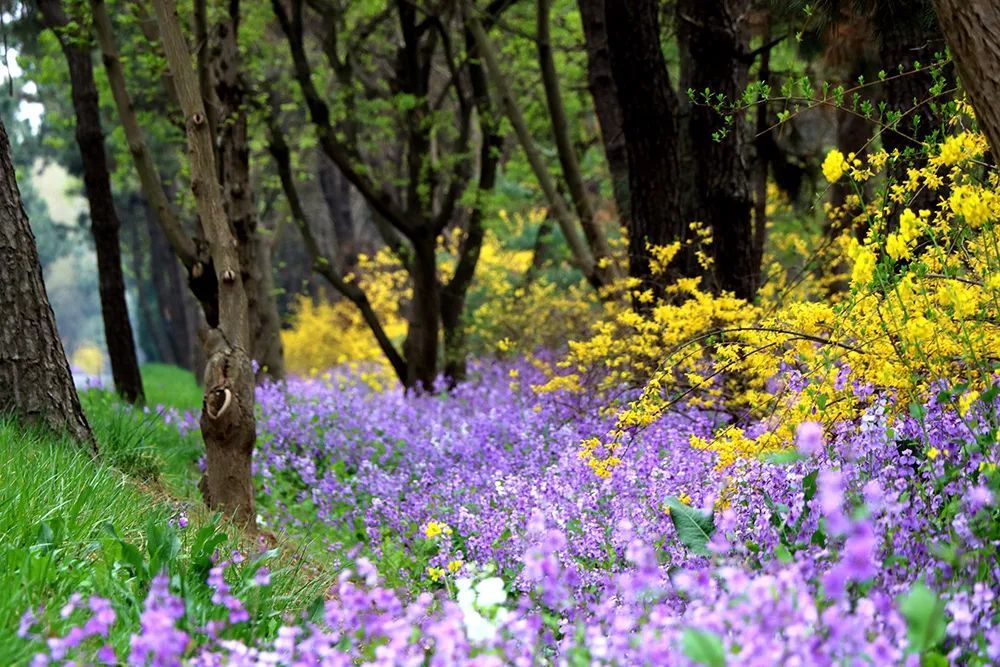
[467, 527]
[72, 526]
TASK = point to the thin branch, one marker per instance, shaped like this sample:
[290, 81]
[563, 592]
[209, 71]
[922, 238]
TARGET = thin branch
[321, 263]
[319, 112]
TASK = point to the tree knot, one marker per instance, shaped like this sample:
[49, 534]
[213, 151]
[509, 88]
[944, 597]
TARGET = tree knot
[218, 401]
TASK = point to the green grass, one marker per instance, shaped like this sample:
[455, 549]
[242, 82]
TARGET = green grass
[71, 524]
[171, 386]
[140, 444]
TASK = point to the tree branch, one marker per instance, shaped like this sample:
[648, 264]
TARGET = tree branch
[581, 253]
[321, 264]
[319, 112]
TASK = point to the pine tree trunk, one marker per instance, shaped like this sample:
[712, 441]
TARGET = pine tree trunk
[228, 424]
[35, 380]
[103, 217]
[972, 28]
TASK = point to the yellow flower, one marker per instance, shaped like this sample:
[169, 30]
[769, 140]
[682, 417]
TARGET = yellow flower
[933, 453]
[974, 204]
[435, 528]
[454, 566]
[966, 401]
[864, 265]
[684, 498]
[436, 573]
[896, 246]
[834, 165]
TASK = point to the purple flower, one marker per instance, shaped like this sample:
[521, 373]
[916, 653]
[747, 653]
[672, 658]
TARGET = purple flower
[830, 491]
[159, 643]
[102, 619]
[860, 551]
[28, 620]
[106, 655]
[978, 498]
[809, 438]
[71, 605]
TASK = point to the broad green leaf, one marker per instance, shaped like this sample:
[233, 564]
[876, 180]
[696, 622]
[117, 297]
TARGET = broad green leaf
[694, 527]
[924, 613]
[703, 647]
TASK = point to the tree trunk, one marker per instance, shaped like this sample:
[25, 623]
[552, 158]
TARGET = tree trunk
[580, 250]
[336, 192]
[765, 147]
[972, 28]
[150, 329]
[592, 229]
[421, 348]
[227, 422]
[714, 35]
[171, 298]
[103, 217]
[234, 176]
[649, 124]
[453, 294]
[193, 255]
[35, 380]
[320, 261]
[609, 115]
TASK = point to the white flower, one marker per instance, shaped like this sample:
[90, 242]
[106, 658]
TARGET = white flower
[477, 628]
[466, 597]
[491, 592]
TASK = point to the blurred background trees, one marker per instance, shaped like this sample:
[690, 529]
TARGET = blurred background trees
[395, 195]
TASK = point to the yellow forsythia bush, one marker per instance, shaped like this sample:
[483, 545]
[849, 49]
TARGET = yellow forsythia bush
[89, 359]
[323, 335]
[923, 304]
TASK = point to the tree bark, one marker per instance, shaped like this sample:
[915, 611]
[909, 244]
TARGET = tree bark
[601, 83]
[193, 253]
[171, 297]
[150, 332]
[454, 293]
[104, 221]
[227, 423]
[972, 28]
[714, 35]
[592, 229]
[649, 124]
[422, 336]
[35, 380]
[233, 156]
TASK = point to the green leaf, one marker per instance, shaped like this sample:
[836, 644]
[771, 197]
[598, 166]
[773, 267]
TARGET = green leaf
[809, 485]
[924, 613]
[783, 458]
[782, 553]
[694, 527]
[934, 659]
[703, 647]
